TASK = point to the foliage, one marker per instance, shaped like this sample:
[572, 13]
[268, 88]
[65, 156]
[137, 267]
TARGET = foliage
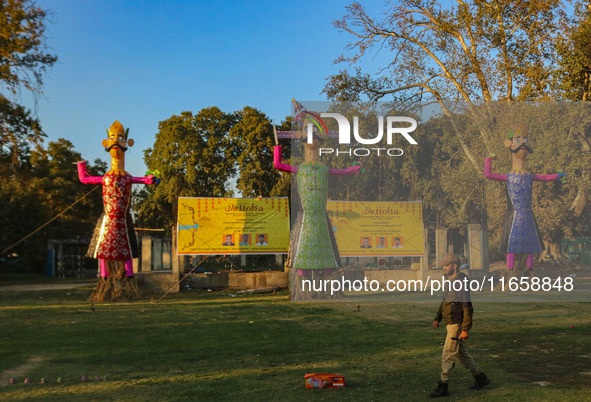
[202, 155]
[19, 131]
[463, 57]
[57, 185]
[21, 212]
[253, 137]
[40, 193]
[195, 156]
[473, 52]
[573, 78]
[23, 61]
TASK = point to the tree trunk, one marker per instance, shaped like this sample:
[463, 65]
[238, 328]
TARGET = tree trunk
[117, 286]
[552, 248]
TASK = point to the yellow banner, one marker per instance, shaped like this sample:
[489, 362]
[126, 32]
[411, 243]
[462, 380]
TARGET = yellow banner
[233, 225]
[378, 228]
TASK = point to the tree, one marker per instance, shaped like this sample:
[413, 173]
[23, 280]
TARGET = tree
[470, 53]
[21, 212]
[19, 131]
[253, 137]
[42, 192]
[57, 186]
[464, 57]
[573, 82]
[208, 155]
[195, 156]
[573, 78]
[23, 61]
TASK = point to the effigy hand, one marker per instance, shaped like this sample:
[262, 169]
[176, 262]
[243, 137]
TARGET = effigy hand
[152, 179]
[358, 167]
[153, 176]
[560, 176]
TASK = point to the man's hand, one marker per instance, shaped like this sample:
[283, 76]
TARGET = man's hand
[435, 324]
[464, 335]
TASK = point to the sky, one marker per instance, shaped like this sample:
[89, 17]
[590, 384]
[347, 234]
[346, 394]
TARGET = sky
[141, 62]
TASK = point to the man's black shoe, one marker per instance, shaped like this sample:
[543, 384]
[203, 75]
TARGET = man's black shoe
[480, 381]
[441, 390]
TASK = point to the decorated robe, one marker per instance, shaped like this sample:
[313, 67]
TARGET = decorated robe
[520, 231]
[114, 237]
[313, 245]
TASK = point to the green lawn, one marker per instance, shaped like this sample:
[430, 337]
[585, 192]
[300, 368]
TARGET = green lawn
[200, 345]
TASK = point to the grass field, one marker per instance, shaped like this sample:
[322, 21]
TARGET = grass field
[199, 345]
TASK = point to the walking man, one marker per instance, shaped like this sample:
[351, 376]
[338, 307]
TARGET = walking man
[456, 310]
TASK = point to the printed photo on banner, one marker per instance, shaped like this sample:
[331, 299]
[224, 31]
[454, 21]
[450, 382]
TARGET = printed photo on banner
[365, 242]
[381, 242]
[262, 240]
[397, 242]
[244, 240]
[228, 240]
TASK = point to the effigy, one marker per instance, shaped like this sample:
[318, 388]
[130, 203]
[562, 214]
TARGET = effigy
[313, 250]
[520, 239]
[114, 242]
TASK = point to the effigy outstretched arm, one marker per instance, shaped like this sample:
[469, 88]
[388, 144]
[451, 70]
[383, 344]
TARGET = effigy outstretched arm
[488, 171]
[549, 177]
[149, 179]
[277, 161]
[85, 177]
[345, 172]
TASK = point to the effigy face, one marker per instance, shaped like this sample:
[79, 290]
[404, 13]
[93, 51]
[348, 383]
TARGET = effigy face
[519, 143]
[117, 142]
